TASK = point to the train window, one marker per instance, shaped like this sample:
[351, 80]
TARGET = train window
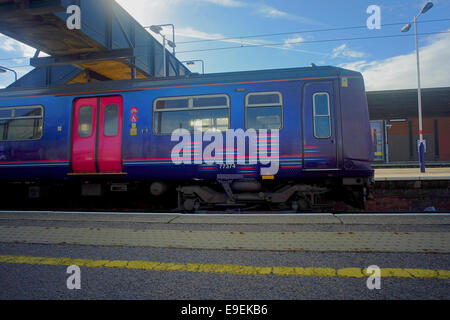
[27, 112]
[5, 113]
[172, 104]
[264, 98]
[209, 111]
[111, 120]
[21, 123]
[203, 102]
[85, 122]
[322, 115]
[264, 110]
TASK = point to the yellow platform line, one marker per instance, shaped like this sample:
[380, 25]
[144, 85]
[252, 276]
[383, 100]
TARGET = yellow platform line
[227, 268]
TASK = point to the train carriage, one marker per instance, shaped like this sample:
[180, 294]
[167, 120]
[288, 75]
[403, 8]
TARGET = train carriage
[310, 124]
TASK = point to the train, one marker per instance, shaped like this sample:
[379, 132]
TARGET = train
[284, 138]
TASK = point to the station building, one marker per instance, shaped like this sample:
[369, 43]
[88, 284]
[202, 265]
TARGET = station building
[395, 127]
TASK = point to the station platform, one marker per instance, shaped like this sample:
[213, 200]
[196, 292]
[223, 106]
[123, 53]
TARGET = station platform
[264, 232]
[411, 174]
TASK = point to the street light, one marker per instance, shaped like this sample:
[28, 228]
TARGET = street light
[406, 28]
[5, 69]
[157, 29]
[192, 62]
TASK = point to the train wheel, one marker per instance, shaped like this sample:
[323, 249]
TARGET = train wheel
[360, 198]
[191, 205]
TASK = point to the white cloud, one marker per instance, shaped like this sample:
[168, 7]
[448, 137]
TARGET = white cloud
[159, 11]
[6, 43]
[225, 3]
[289, 42]
[271, 12]
[150, 12]
[400, 72]
[344, 51]
[196, 34]
[19, 54]
[18, 48]
[193, 33]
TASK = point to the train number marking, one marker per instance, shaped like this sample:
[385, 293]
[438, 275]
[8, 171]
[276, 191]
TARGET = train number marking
[227, 166]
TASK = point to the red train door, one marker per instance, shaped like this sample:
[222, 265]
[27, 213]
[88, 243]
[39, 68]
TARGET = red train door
[97, 135]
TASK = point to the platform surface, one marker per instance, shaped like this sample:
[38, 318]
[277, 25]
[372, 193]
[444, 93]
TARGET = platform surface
[396, 174]
[227, 232]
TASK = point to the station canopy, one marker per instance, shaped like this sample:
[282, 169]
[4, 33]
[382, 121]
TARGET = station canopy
[399, 104]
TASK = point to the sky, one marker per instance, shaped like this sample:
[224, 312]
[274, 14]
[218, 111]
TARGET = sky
[240, 35]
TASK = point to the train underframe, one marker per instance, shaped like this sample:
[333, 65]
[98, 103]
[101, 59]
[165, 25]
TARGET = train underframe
[299, 196]
[192, 196]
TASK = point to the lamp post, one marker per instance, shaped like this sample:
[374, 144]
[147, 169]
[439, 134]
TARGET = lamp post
[421, 151]
[157, 29]
[5, 69]
[191, 62]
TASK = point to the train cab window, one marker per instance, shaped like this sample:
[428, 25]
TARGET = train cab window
[212, 112]
[111, 120]
[264, 110]
[85, 122]
[322, 115]
[21, 123]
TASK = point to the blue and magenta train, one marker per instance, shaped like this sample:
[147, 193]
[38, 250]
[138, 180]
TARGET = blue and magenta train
[110, 137]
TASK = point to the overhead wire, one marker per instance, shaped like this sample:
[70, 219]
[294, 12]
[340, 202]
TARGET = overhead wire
[300, 32]
[309, 41]
[276, 44]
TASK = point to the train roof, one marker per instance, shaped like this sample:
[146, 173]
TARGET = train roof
[192, 79]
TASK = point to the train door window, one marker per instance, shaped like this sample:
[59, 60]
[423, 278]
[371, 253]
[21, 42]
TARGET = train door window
[264, 110]
[111, 120]
[210, 111]
[21, 123]
[321, 115]
[85, 122]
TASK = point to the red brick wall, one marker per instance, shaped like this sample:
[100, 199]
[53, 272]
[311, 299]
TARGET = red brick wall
[444, 139]
[398, 138]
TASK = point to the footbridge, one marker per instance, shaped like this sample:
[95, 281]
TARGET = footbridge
[110, 44]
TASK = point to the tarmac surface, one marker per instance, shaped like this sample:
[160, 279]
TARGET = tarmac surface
[178, 256]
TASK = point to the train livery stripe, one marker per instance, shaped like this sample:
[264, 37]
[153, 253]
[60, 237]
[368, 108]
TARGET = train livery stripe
[233, 269]
[285, 159]
[294, 157]
[34, 163]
